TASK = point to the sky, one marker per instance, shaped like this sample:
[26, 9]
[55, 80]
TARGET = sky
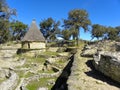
[103, 12]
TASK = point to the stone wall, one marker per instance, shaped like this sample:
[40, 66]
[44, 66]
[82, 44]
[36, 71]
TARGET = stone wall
[109, 64]
[71, 80]
[33, 45]
[37, 45]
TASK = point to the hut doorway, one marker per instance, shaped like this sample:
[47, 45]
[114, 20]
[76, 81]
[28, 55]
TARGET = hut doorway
[28, 45]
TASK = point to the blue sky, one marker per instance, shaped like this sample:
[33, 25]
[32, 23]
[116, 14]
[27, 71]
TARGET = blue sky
[104, 12]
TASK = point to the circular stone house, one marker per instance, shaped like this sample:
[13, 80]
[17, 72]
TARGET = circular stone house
[33, 39]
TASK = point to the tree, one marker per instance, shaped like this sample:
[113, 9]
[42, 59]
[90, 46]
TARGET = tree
[118, 29]
[4, 31]
[74, 32]
[98, 31]
[112, 33]
[49, 27]
[18, 30]
[5, 14]
[5, 10]
[77, 18]
[66, 34]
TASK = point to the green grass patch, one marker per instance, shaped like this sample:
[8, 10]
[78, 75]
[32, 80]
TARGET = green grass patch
[20, 74]
[30, 60]
[29, 74]
[50, 53]
[2, 79]
[47, 71]
[34, 85]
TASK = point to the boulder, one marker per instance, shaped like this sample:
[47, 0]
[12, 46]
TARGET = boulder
[10, 83]
[109, 64]
[88, 51]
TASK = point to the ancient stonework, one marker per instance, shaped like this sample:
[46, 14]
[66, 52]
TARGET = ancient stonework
[109, 64]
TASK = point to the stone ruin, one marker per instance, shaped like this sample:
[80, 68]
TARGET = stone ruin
[106, 57]
[109, 64]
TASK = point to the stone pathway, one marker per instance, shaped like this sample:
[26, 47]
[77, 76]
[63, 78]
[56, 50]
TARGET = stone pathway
[84, 77]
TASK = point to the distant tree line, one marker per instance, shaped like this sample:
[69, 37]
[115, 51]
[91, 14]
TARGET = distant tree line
[11, 29]
[105, 33]
[78, 19]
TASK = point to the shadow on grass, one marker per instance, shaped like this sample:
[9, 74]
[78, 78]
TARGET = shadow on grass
[100, 76]
[61, 82]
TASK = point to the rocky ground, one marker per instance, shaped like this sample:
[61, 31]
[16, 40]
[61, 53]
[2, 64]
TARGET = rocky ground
[85, 77]
[29, 71]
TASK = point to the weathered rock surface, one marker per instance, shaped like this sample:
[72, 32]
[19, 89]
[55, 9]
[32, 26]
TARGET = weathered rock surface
[84, 77]
[3, 73]
[10, 83]
[91, 49]
[11, 63]
[43, 88]
[109, 64]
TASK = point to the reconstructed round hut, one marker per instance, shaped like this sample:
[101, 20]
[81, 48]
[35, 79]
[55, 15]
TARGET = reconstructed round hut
[33, 39]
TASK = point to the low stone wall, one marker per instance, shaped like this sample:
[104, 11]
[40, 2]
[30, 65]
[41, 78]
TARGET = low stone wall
[72, 79]
[37, 77]
[108, 64]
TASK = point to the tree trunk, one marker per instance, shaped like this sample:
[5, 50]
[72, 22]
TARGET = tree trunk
[78, 36]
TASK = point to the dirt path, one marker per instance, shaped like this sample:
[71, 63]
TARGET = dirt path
[85, 77]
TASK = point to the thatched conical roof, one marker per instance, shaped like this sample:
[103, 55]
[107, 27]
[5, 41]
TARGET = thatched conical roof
[33, 34]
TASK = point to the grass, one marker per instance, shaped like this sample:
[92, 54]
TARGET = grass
[35, 60]
[20, 74]
[47, 71]
[29, 60]
[2, 79]
[29, 74]
[34, 85]
[40, 59]
[50, 53]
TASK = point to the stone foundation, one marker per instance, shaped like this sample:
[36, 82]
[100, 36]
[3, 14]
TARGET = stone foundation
[33, 45]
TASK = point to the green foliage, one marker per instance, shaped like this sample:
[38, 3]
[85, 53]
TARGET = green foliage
[112, 33]
[118, 30]
[98, 31]
[4, 31]
[103, 32]
[18, 30]
[34, 85]
[77, 18]
[49, 28]
[5, 10]
[74, 32]
[66, 34]
[5, 14]
[49, 53]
